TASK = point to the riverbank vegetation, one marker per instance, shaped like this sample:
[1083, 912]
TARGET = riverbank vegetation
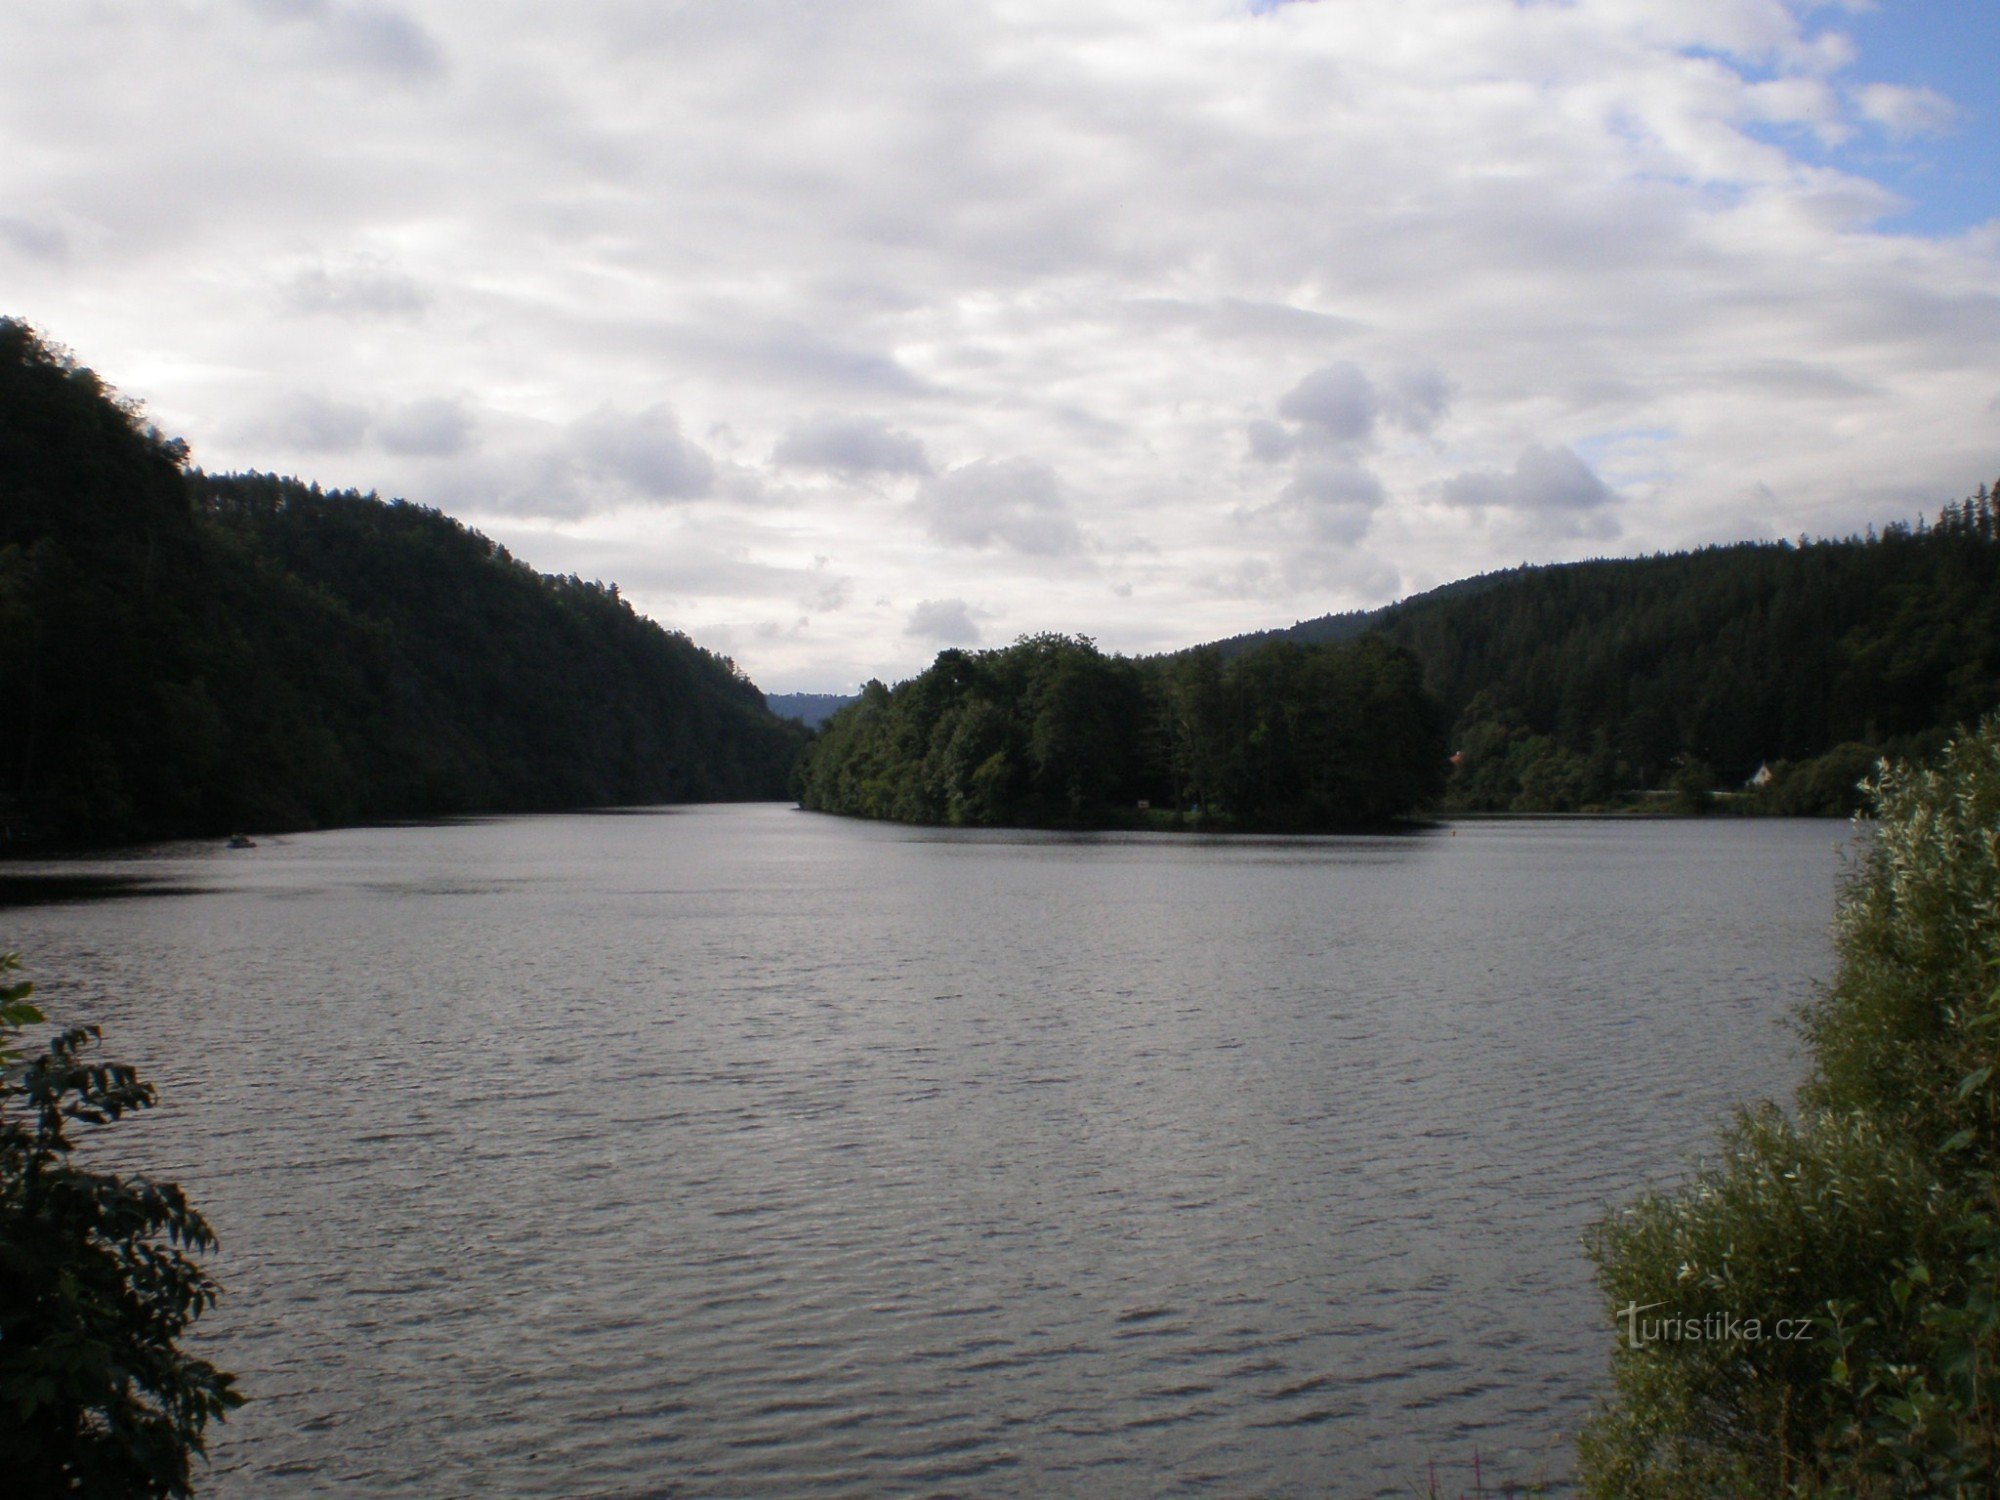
[186, 653]
[1053, 731]
[98, 1283]
[1816, 1312]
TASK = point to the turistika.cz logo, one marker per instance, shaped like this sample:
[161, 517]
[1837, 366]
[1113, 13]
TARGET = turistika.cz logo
[1711, 1328]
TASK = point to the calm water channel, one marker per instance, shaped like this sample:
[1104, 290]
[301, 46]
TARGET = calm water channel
[741, 1151]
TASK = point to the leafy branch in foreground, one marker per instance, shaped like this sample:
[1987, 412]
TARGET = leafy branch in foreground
[1816, 1313]
[97, 1284]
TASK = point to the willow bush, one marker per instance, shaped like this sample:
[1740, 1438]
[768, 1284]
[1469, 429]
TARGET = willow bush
[1815, 1312]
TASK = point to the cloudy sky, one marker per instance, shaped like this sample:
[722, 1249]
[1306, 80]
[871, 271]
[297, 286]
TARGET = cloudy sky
[839, 330]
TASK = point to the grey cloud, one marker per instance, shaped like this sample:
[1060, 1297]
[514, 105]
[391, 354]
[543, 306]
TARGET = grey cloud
[371, 291]
[947, 621]
[851, 446]
[745, 342]
[45, 242]
[1248, 578]
[1242, 318]
[1543, 481]
[1268, 441]
[315, 424]
[829, 596]
[430, 429]
[644, 450]
[1337, 401]
[823, 363]
[596, 463]
[1013, 501]
[689, 569]
[376, 37]
[1417, 398]
[1797, 377]
[1336, 499]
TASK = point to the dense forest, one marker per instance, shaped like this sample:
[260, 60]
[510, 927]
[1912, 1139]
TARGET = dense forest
[183, 653]
[1051, 730]
[1579, 684]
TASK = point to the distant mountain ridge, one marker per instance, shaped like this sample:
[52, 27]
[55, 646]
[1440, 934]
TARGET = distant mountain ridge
[809, 709]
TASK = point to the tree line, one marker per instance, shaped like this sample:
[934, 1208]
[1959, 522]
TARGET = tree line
[1052, 730]
[185, 653]
[1577, 684]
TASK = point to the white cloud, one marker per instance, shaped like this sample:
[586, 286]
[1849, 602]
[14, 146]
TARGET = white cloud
[1906, 112]
[948, 622]
[433, 428]
[1268, 441]
[1418, 398]
[643, 451]
[1336, 403]
[1336, 497]
[375, 37]
[313, 424]
[1013, 502]
[367, 290]
[35, 239]
[1550, 485]
[1287, 300]
[851, 446]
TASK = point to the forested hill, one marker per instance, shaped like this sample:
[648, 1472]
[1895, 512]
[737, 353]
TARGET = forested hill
[1348, 624]
[190, 654]
[1572, 684]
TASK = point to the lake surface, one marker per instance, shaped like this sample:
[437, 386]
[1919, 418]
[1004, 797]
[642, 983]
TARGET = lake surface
[742, 1151]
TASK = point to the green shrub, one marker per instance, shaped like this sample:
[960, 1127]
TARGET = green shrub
[1866, 1220]
[97, 1283]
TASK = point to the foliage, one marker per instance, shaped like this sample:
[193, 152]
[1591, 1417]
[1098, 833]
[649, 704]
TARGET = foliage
[1693, 785]
[1873, 1214]
[1575, 684]
[194, 654]
[1826, 785]
[1051, 730]
[97, 1283]
[17, 1009]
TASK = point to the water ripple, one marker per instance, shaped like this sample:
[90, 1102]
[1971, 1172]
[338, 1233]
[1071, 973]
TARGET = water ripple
[746, 1153]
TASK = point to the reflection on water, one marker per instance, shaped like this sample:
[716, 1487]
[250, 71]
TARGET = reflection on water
[742, 1151]
[44, 887]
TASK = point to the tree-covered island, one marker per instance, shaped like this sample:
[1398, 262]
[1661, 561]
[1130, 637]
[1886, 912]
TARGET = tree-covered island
[1052, 731]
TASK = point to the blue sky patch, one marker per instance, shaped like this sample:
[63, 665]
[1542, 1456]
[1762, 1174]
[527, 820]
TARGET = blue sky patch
[1948, 172]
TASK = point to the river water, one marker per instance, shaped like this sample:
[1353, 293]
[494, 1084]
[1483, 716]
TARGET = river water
[742, 1151]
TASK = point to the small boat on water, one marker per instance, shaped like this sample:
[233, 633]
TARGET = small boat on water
[241, 841]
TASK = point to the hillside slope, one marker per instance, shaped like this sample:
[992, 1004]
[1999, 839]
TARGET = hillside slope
[1575, 683]
[189, 654]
